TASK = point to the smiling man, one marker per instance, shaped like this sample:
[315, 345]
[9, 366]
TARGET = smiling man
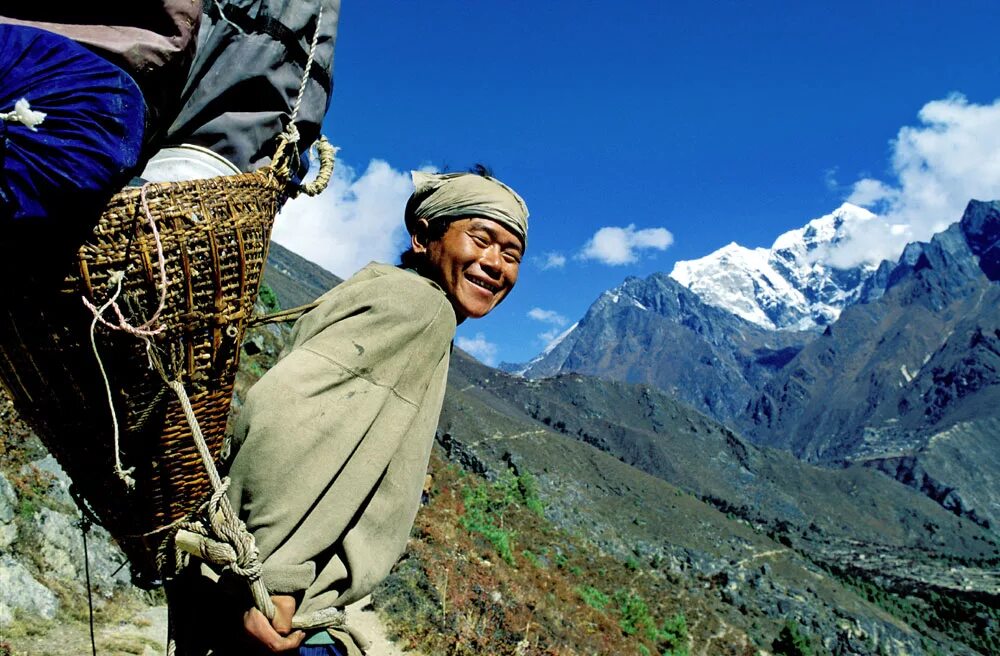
[331, 448]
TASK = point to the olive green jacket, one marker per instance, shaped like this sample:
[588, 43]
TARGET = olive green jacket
[331, 447]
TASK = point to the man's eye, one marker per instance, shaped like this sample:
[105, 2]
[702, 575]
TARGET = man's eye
[479, 239]
[513, 258]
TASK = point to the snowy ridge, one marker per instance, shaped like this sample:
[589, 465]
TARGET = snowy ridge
[785, 287]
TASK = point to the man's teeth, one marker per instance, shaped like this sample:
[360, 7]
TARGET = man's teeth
[482, 284]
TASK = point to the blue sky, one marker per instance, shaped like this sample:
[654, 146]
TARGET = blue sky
[696, 123]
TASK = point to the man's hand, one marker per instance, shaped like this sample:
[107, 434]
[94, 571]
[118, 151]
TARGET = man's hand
[275, 636]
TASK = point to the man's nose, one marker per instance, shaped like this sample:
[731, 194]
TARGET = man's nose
[491, 260]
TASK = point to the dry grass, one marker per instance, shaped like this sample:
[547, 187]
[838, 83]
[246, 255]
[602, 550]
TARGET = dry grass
[455, 593]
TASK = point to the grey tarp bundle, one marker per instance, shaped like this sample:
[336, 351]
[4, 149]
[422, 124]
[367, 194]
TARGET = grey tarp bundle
[246, 74]
[331, 447]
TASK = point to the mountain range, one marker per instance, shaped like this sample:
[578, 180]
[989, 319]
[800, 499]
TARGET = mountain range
[909, 384]
[903, 378]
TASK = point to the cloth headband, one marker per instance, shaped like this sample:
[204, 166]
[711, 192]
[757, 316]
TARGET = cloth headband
[441, 195]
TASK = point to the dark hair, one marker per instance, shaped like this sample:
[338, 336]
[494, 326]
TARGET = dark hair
[435, 231]
[481, 169]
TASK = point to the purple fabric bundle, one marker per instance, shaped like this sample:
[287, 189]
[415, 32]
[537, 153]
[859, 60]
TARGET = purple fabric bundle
[89, 143]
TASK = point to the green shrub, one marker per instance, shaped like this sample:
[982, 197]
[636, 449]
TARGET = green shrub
[532, 558]
[268, 299]
[484, 515]
[593, 597]
[672, 637]
[791, 641]
[634, 618]
[487, 503]
[528, 486]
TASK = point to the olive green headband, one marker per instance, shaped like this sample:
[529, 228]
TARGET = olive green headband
[441, 195]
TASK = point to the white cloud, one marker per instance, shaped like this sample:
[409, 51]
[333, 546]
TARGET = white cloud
[547, 316]
[551, 317]
[616, 246]
[551, 260]
[478, 346]
[868, 192]
[951, 158]
[356, 220]
[830, 178]
[549, 336]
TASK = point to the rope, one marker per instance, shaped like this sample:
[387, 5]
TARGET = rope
[242, 556]
[85, 527]
[24, 114]
[225, 540]
[291, 133]
[305, 75]
[124, 474]
[145, 330]
[327, 154]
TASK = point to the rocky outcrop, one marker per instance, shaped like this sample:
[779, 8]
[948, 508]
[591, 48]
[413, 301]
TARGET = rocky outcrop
[44, 566]
[22, 593]
[8, 513]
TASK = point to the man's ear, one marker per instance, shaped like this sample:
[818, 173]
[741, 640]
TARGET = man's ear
[418, 238]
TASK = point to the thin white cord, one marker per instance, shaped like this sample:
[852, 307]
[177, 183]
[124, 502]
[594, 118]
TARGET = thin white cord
[124, 474]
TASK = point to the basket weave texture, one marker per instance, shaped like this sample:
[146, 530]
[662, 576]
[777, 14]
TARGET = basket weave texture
[215, 235]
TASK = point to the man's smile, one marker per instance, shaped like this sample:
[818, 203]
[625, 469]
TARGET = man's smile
[485, 283]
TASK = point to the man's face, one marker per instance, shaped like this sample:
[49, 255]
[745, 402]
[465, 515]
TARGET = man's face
[476, 262]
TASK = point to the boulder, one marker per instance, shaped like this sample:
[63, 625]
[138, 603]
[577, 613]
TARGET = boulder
[8, 513]
[23, 593]
[62, 551]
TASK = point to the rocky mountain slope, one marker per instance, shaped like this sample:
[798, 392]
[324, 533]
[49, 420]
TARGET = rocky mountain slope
[49, 555]
[790, 285]
[658, 332]
[904, 380]
[909, 384]
[853, 522]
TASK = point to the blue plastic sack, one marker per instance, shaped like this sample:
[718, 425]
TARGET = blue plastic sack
[89, 143]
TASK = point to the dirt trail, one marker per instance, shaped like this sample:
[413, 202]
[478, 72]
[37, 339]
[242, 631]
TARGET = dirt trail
[364, 618]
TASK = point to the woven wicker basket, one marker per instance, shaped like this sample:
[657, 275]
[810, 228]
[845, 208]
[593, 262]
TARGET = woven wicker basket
[215, 235]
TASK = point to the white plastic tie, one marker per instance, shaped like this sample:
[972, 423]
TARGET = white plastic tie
[25, 115]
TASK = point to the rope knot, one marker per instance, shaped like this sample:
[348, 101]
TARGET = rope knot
[243, 557]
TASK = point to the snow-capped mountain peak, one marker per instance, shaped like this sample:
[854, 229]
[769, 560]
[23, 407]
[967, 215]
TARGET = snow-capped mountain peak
[787, 286]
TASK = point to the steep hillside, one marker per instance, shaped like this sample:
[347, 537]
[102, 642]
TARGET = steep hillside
[294, 279]
[579, 436]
